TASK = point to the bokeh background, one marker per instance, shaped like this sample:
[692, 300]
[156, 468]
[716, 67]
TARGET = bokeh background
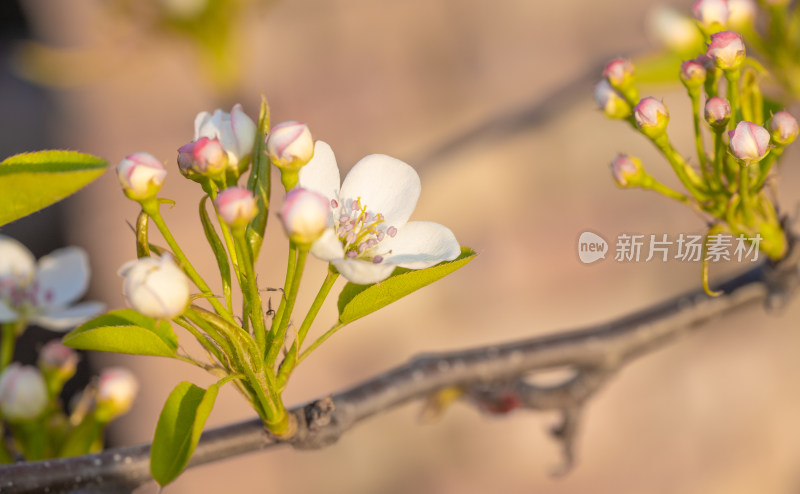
[491, 102]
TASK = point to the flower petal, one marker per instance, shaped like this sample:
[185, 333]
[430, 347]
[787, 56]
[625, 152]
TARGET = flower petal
[68, 318]
[321, 174]
[328, 246]
[244, 131]
[385, 185]
[420, 244]
[7, 314]
[63, 276]
[203, 127]
[362, 272]
[16, 261]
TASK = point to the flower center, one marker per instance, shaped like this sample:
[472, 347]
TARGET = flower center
[361, 230]
[25, 298]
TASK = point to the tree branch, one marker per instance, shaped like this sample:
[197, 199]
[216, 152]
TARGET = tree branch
[493, 378]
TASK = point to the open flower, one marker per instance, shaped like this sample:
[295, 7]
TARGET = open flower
[371, 234]
[43, 293]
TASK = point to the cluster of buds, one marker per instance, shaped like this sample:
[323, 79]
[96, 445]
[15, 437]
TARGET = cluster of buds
[727, 180]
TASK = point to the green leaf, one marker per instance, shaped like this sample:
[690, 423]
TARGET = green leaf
[125, 331]
[259, 182]
[33, 181]
[179, 428]
[357, 301]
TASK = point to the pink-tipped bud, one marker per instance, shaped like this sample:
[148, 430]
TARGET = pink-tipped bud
[155, 286]
[610, 101]
[741, 13]
[619, 73]
[717, 112]
[627, 170]
[289, 145]
[204, 157]
[651, 116]
[23, 393]
[305, 215]
[141, 176]
[783, 128]
[727, 50]
[712, 15]
[57, 359]
[237, 206]
[116, 390]
[693, 74]
[236, 132]
[749, 142]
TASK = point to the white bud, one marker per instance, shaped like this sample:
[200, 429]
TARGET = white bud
[141, 175]
[116, 391]
[23, 393]
[156, 287]
[289, 145]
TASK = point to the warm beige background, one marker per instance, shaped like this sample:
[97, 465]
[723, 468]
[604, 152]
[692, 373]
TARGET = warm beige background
[714, 413]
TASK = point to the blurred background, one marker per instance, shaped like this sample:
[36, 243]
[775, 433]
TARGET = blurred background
[491, 102]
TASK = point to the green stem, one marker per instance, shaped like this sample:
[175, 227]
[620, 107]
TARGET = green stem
[288, 365]
[151, 208]
[685, 173]
[208, 345]
[719, 160]
[732, 76]
[280, 335]
[744, 191]
[291, 263]
[319, 341]
[255, 309]
[698, 137]
[226, 231]
[9, 339]
[764, 166]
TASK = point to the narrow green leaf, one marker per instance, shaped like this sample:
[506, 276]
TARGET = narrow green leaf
[357, 301]
[32, 181]
[218, 248]
[125, 331]
[259, 182]
[179, 428]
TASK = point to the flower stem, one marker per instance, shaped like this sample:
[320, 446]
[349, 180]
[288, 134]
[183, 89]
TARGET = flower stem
[319, 341]
[732, 76]
[288, 365]
[291, 263]
[685, 173]
[744, 191]
[280, 335]
[250, 290]
[698, 137]
[151, 208]
[7, 342]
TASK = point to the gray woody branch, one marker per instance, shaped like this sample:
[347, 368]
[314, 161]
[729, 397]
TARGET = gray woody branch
[492, 378]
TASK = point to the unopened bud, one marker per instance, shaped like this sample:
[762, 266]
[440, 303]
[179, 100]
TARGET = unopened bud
[236, 132]
[23, 393]
[305, 215]
[783, 128]
[610, 101]
[712, 15]
[619, 73]
[717, 112]
[651, 117]
[692, 74]
[749, 142]
[204, 157]
[627, 170]
[116, 390]
[58, 362]
[155, 286]
[141, 176]
[727, 50]
[290, 146]
[237, 206]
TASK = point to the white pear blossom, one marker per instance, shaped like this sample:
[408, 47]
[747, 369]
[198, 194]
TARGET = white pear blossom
[235, 131]
[155, 286]
[371, 234]
[42, 293]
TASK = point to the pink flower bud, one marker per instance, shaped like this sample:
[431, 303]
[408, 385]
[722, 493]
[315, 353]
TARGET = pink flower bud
[235, 130]
[141, 176]
[116, 390]
[727, 50]
[289, 145]
[610, 101]
[627, 170]
[204, 157]
[237, 206]
[305, 215]
[693, 74]
[619, 72]
[741, 13]
[717, 112]
[711, 14]
[23, 393]
[155, 286]
[783, 128]
[59, 359]
[651, 116]
[749, 142]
